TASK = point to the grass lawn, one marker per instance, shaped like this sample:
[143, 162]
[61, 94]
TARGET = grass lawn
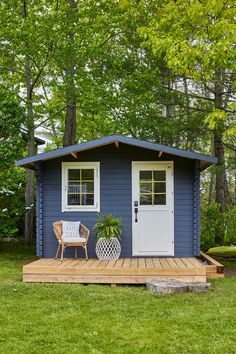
[66, 318]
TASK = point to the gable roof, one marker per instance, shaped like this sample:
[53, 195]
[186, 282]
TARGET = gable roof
[205, 160]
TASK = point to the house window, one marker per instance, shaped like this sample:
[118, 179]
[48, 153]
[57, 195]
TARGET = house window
[152, 186]
[80, 186]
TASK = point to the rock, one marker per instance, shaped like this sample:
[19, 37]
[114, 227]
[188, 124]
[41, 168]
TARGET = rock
[166, 286]
[199, 287]
[169, 286]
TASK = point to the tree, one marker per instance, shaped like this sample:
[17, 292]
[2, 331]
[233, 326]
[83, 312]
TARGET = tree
[25, 52]
[197, 41]
[12, 142]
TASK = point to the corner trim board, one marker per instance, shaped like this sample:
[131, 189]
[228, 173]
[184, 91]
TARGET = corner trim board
[39, 217]
[196, 209]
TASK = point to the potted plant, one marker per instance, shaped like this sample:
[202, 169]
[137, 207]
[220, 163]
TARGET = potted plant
[108, 232]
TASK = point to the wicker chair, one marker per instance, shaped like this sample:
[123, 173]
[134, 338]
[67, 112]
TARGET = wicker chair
[82, 239]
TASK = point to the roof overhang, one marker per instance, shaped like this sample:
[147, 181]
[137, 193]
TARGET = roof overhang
[29, 162]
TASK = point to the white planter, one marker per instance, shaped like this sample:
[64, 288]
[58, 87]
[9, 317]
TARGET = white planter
[107, 250]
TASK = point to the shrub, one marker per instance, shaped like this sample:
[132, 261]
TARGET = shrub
[212, 225]
[230, 226]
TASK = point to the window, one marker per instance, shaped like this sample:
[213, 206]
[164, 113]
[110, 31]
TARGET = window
[80, 186]
[152, 186]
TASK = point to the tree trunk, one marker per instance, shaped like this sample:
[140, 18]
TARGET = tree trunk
[219, 153]
[29, 189]
[213, 176]
[211, 188]
[235, 188]
[228, 200]
[70, 120]
[219, 147]
[29, 197]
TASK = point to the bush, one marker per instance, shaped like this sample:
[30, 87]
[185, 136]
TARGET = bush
[230, 227]
[212, 225]
[12, 205]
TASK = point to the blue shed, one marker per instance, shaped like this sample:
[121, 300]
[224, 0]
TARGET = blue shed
[112, 175]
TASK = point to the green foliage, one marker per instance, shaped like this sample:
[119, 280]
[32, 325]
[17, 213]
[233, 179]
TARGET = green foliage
[215, 119]
[108, 226]
[230, 226]
[12, 179]
[196, 38]
[212, 224]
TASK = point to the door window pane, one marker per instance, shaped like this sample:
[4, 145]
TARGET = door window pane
[159, 175]
[145, 175]
[159, 187]
[145, 199]
[152, 187]
[145, 187]
[159, 199]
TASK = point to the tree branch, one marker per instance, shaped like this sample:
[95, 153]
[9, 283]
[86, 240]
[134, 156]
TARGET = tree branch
[20, 98]
[45, 120]
[191, 94]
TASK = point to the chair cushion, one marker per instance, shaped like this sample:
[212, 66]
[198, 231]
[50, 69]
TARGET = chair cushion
[74, 239]
[70, 230]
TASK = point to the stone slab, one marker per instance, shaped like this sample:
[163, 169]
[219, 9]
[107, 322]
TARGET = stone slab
[169, 286]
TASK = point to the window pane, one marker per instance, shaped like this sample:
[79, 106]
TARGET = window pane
[145, 199]
[159, 175]
[74, 174]
[87, 199]
[145, 175]
[159, 199]
[73, 195]
[80, 189]
[88, 187]
[159, 187]
[87, 175]
[145, 187]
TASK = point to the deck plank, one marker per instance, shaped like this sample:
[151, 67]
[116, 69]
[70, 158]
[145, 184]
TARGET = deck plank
[179, 263]
[157, 263]
[187, 262]
[134, 263]
[119, 263]
[111, 263]
[171, 263]
[149, 263]
[141, 263]
[164, 263]
[126, 263]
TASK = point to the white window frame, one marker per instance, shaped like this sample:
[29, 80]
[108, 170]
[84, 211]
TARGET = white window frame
[65, 166]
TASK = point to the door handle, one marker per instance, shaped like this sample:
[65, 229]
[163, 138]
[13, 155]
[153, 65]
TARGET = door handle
[136, 210]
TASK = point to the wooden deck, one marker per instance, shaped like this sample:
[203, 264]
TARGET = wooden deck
[122, 271]
[214, 269]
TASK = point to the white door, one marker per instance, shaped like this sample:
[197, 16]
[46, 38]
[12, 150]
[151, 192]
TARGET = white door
[153, 208]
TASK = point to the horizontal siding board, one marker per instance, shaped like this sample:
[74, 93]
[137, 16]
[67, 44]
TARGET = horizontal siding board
[115, 185]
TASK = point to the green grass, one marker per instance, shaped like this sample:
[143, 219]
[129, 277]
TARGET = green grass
[65, 318]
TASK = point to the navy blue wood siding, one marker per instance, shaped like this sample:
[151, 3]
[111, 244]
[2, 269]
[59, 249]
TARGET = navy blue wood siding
[116, 196]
